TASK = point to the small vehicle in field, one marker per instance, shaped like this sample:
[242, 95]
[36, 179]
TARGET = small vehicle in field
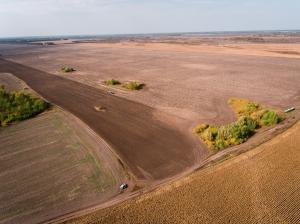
[289, 110]
[110, 92]
[123, 186]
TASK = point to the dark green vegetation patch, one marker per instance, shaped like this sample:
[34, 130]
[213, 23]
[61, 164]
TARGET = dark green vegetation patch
[251, 116]
[17, 106]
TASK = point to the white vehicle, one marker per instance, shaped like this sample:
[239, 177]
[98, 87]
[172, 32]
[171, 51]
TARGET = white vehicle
[289, 110]
[123, 186]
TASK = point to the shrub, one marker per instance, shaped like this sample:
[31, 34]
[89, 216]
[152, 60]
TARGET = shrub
[243, 128]
[250, 117]
[251, 107]
[257, 115]
[67, 69]
[16, 106]
[233, 134]
[133, 85]
[200, 128]
[270, 118]
[112, 82]
[243, 106]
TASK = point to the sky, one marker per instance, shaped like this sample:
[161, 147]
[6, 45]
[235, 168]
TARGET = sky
[83, 17]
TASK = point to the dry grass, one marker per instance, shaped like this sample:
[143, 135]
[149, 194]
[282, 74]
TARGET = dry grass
[260, 186]
[243, 106]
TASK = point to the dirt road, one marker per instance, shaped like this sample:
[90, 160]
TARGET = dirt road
[153, 150]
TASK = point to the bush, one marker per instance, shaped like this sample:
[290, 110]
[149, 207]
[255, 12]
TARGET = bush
[133, 85]
[250, 117]
[67, 69]
[200, 128]
[244, 128]
[243, 106]
[112, 82]
[17, 106]
[251, 107]
[227, 135]
[270, 118]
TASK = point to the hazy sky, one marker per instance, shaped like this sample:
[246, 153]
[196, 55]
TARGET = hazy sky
[60, 17]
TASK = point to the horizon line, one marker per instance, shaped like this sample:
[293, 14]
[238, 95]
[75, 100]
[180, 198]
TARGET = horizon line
[145, 34]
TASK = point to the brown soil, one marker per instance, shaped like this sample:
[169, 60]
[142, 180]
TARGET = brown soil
[190, 81]
[151, 149]
[260, 186]
[12, 83]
